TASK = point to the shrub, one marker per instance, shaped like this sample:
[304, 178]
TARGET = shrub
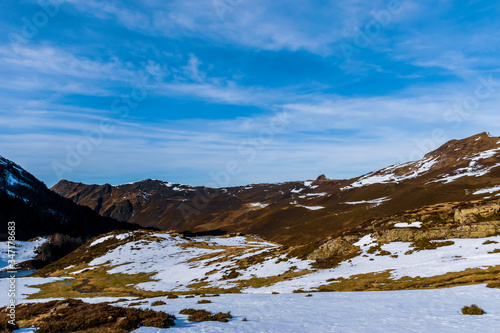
[233, 274]
[244, 319]
[189, 296]
[158, 303]
[490, 242]
[172, 297]
[493, 285]
[204, 301]
[473, 310]
[135, 303]
[275, 293]
[309, 295]
[204, 315]
[494, 251]
[74, 315]
[427, 244]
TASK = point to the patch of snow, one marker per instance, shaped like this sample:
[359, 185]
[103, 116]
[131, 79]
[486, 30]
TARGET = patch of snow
[123, 236]
[102, 239]
[311, 207]
[374, 201]
[258, 205]
[488, 190]
[426, 263]
[474, 169]
[388, 175]
[316, 194]
[297, 190]
[171, 261]
[24, 251]
[408, 225]
[25, 286]
[435, 310]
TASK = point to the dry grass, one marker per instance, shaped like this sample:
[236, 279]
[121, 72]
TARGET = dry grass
[99, 284]
[204, 301]
[473, 310]
[204, 315]
[76, 316]
[384, 281]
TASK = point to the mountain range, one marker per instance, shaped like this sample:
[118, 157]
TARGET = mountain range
[302, 212]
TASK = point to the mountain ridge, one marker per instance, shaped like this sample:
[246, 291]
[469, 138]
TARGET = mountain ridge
[39, 211]
[301, 212]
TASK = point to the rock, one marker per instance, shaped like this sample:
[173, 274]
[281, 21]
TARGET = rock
[469, 215]
[337, 247]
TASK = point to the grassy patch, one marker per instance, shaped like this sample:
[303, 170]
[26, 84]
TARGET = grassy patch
[490, 242]
[233, 274]
[158, 303]
[494, 251]
[473, 310]
[427, 244]
[334, 261]
[97, 282]
[204, 315]
[268, 281]
[204, 301]
[301, 252]
[384, 281]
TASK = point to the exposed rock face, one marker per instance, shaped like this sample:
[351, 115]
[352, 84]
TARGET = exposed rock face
[468, 215]
[476, 230]
[338, 247]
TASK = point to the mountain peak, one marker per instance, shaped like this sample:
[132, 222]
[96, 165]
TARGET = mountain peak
[455, 150]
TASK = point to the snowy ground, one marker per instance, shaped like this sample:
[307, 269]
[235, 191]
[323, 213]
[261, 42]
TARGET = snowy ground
[176, 263]
[382, 311]
[394, 311]
[465, 253]
[24, 251]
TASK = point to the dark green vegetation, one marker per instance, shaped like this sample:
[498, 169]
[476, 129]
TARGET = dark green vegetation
[473, 310]
[76, 316]
[204, 315]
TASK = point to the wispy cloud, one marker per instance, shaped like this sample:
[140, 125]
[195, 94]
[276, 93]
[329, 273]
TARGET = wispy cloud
[226, 77]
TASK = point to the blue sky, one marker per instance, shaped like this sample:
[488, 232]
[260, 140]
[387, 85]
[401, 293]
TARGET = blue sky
[230, 92]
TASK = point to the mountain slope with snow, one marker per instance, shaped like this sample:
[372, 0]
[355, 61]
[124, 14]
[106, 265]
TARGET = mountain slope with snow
[303, 212]
[38, 211]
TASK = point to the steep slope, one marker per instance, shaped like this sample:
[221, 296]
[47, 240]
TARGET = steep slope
[302, 212]
[39, 211]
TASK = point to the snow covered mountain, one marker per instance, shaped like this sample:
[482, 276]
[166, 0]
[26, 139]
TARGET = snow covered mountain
[410, 229]
[303, 212]
[39, 211]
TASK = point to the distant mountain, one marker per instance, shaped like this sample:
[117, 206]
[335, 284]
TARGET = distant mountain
[302, 212]
[39, 211]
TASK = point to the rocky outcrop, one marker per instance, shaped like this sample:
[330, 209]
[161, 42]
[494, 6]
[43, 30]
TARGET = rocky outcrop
[468, 215]
[338, 247]
[476, 230]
